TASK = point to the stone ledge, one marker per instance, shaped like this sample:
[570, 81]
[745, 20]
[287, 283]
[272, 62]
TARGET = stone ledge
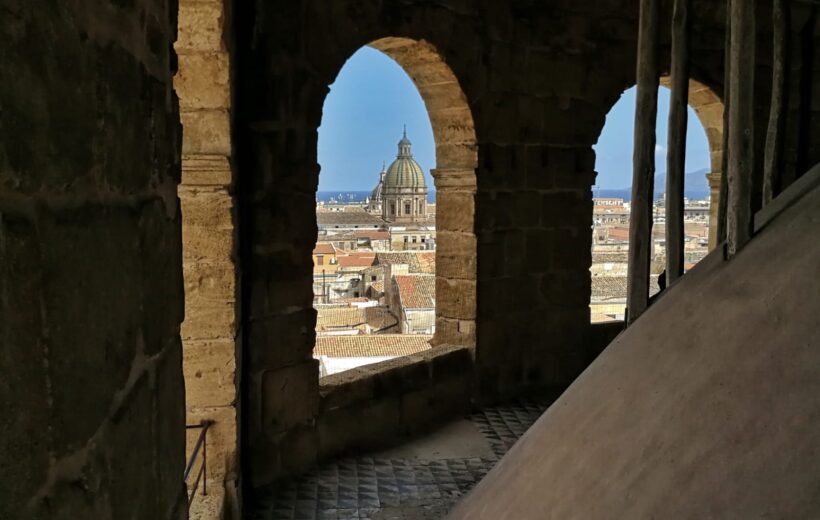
[393, 377]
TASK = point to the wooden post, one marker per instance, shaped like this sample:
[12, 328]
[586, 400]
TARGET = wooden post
[723, 196]
[676, 152]
[741, 126]
[643, 161]
[774, 134]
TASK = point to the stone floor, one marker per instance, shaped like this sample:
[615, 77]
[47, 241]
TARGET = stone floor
[421, 479]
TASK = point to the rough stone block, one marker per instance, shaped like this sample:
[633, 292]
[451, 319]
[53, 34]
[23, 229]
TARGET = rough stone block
[201, 243]
[203, 80]
[290, 396]
[200, 27]
[456, 298]
[207, 208]
[209, 319]
[294, 333]
[206, 132]
[222, 440]
[209, 281]
[455, 211]
[210, 373]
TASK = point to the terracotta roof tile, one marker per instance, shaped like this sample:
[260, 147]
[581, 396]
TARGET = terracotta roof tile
[338, 318]
[614, 287]
[356, 260]
[373, 235]
[373, 345]
[324, 248]
[417, 291]
[417, 261]
[379, 318]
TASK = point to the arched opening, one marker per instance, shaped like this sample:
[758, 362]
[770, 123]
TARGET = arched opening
[394, 263]
[612, 193]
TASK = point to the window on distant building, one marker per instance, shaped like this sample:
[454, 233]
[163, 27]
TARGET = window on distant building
[407, 209]
[320, 260]
[414, 240]
[423, 239]
[372, 278]
[392, 208]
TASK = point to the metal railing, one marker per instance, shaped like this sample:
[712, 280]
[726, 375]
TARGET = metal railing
[201, 445]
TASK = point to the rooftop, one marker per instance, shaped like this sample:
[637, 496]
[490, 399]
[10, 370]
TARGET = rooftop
[324, 248]
[338, 318]
[417, 261]
[374, 345]
[614, 287]
[416, 291]
[356, 260]
[372, 234]
[348, 219]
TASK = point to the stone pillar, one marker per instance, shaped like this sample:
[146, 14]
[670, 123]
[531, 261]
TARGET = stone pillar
[714, 203]
[456, 258]
[209, 346]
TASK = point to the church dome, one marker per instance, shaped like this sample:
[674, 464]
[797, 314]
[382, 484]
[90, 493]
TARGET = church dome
[405, 172]
[376, 194]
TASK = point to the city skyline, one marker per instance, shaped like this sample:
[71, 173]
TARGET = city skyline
[373, 98]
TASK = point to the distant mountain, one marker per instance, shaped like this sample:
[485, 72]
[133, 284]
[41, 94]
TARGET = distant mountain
[695, 186]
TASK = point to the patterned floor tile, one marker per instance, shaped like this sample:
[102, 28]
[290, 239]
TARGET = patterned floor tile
[366, 488]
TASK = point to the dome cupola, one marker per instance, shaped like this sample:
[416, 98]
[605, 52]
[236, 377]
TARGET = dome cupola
[404, 172]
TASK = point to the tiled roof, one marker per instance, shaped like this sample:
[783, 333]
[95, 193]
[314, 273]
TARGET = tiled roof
[338, 318]
[371, 345]
[379, 317]
[331, 218]
[616, 233]
[416, 291]
[372, 235]
[324, 248]
[417, 261]
[614, 287]
[615, 258]
[378, 286]
[427, 262]
[356, 260]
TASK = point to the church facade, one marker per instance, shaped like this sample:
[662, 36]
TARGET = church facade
[400, 198]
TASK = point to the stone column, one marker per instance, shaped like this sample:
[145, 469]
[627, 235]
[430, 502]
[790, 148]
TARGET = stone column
[714, 202]
[456, 258]
[209, 346]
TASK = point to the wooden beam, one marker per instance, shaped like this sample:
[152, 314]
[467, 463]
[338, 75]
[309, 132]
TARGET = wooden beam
[723, 195]
[676, 150]
[643, 160]
[741, 126]
[774, 134]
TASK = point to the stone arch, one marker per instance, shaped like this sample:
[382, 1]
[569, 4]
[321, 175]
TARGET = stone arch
[455, 180]
[709, 108]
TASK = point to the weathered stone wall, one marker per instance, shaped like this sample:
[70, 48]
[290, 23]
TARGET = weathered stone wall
[90, 269]
[208, 333]
[536, 105]
[380, 404]
[537, 82]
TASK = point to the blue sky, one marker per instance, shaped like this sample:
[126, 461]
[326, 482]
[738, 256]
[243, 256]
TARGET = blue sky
[372, 98]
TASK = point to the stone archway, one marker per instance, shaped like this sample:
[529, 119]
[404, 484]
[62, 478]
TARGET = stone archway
[709, 109]
[455, 180]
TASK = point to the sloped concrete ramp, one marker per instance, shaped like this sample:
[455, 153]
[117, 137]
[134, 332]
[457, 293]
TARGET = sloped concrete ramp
[707, 407]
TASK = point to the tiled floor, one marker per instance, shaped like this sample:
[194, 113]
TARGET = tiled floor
[386, 485]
